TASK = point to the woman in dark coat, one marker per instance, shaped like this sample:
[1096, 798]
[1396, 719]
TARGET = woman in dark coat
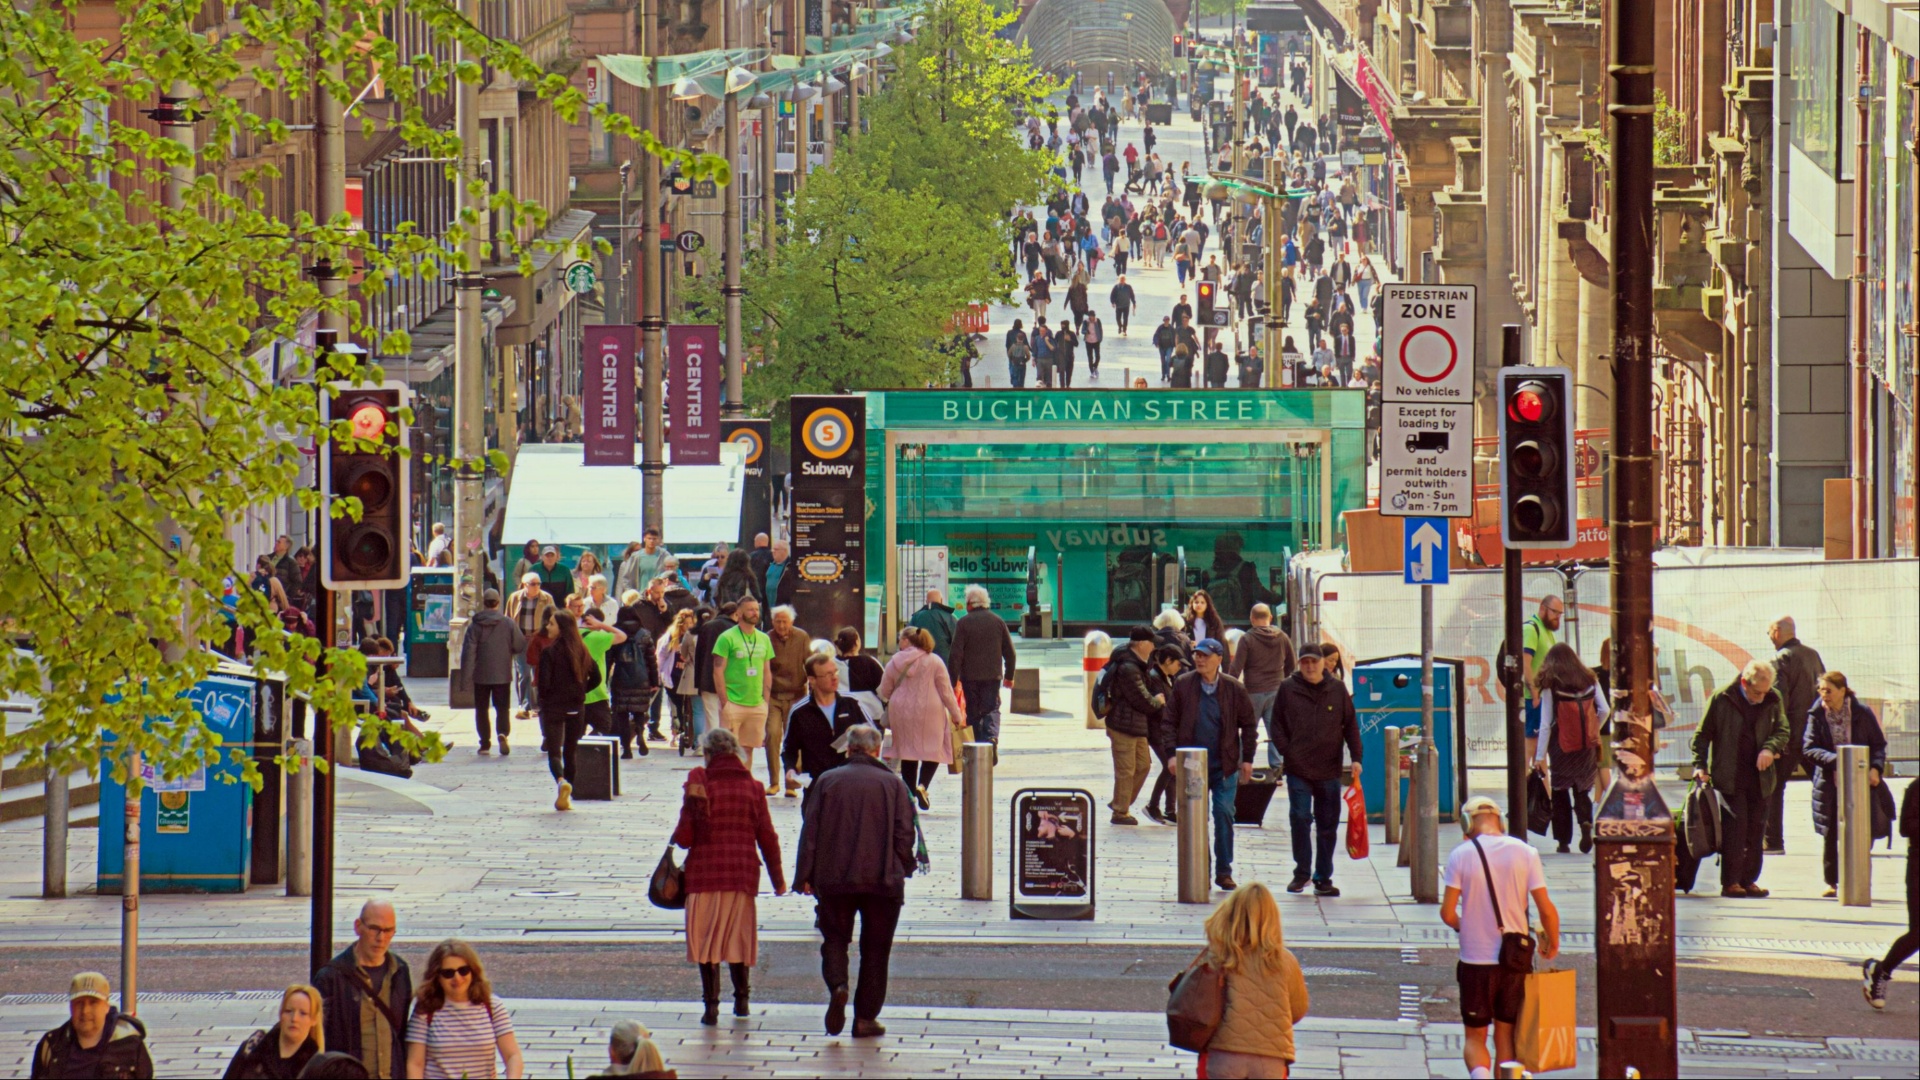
[1838, 719]
[737, 581]
[633, 677]
[1572, 708]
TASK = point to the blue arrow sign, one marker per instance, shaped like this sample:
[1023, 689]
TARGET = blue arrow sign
[1427, 550]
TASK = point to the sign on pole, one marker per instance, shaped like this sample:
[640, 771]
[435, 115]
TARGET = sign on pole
[828, 442]
[693, 374]
[607, 377]
[1427, 551]
[1426, 415]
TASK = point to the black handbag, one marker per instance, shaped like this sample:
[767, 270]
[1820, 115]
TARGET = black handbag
[668, 887]
[1539, 805]
[1516, 950]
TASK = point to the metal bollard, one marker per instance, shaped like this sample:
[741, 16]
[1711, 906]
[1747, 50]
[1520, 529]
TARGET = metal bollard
[300, 820]
[976, 821]
[1856, 828]
[1390, 762]
[53, 840]
[1094, 660]
[1426, 824]
[1196, 861]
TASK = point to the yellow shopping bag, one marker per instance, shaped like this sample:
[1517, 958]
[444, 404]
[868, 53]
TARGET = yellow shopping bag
[1543, 1038]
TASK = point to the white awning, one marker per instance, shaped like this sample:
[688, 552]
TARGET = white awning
[556, 497]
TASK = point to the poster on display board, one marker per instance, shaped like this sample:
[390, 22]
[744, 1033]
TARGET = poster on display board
[923, 570]
[1053, 855]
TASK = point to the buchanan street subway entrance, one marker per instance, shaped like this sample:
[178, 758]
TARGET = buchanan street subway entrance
[1109, 503]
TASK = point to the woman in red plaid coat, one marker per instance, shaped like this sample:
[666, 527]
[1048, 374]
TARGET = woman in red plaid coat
[723, 820]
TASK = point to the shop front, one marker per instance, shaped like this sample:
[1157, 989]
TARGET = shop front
[1107, 505]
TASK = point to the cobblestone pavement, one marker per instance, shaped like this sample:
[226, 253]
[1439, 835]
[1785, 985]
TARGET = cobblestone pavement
[473, 847]
[193, 1035]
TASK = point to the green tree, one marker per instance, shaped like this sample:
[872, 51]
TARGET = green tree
[136, 418]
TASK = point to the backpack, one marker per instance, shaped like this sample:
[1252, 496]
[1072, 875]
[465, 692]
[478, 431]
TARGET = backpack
[1576, 724]
[1102, 692]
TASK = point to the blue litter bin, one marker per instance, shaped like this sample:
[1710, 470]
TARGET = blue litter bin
[196, 831]
[1386, 693]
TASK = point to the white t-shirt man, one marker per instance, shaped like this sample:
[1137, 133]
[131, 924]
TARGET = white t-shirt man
[1516, 873]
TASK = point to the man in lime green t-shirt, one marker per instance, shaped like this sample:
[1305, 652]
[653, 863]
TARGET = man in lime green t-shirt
[598, 636]
[743, 673]
[1538, 635]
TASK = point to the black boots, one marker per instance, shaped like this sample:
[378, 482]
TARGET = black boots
[710, 993]
[741, 987]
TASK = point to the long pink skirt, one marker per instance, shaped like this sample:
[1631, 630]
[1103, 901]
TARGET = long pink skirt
[722, 928]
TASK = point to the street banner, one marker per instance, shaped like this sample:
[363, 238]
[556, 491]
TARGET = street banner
[829, 515]
[606, 381]
[756, 500]
[693, 378]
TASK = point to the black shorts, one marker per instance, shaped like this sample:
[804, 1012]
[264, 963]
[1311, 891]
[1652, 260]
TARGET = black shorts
[1489, 992]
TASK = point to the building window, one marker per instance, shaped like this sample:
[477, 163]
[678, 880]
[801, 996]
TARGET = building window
[1817, 126]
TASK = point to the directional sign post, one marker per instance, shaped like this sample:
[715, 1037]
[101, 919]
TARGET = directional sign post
[1426, 415]
[1427, 550]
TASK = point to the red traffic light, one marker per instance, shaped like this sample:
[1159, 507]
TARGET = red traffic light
[368, 420]
[1529, 403]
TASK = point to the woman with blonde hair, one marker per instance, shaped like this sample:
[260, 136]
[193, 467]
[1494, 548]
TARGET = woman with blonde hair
[631, 1052]
[1266, 993]
[584, 570]
[458, 1026]
[728, 833]
[676, 656]
[281, 1051]
[919, 695]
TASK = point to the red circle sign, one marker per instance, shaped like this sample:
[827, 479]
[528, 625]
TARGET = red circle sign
[1453, 353]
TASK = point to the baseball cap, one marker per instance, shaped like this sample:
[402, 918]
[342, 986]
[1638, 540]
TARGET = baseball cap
[1140, 633]
[1312, 650]
[1210, 647]
[1473, 808]
[549, 550]
[87, 984]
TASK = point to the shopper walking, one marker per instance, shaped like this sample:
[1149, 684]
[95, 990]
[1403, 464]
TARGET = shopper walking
[1796, 669]
[921, 710]
[633, 674]
[728, 834]
[97, 1041]
[789, 662]
[366, 990]
[1314, 716]
[1837, 720]
[743, 679]
[982, 662]
[1164, 666]
[530, 609]
[1572, 712]
[1536, 637]
[815, 726]
[1211, 710]
[1876, 975]
[1263, 661]
[1129, 720]
[281, 1051]
[1266, 992]
[1488, 881]
[1122, 298]
[937, 619]
[460, 1031]
[487, 654]
[1736, 746]
[856, 853]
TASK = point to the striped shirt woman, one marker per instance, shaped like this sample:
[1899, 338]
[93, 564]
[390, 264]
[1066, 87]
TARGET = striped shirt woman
[458, 1025]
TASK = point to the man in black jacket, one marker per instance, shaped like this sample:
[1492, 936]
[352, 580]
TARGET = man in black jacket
[366, 992]
[1122, 299]
[709, 632]
[856, 853]
[96, 1041]
[981, 661]
[1312, 717]
[817, 722]
[1797, 668]
[1211, 710]
[1133, 706]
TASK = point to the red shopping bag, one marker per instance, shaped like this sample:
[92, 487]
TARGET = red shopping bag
[1356, 821]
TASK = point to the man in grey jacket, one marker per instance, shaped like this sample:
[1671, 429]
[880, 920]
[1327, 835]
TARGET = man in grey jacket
[492, 641]
[856, 853]
[1263, 661]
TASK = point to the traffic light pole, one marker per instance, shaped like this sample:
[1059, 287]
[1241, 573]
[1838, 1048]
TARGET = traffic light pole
[1511, 674]
[732, 247]
[1633, 864]
[470, 381]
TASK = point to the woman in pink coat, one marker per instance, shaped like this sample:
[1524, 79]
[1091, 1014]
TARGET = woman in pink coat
[921, 710]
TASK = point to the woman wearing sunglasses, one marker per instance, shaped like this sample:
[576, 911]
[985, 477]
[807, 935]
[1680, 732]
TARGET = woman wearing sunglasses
[458, 1026]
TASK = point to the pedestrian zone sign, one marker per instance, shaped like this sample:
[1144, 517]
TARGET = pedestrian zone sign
[1427, 551]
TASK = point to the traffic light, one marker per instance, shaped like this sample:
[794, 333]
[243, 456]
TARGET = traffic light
[1205, 299]
[369, 552]
[1536, 457]
[1179, 47]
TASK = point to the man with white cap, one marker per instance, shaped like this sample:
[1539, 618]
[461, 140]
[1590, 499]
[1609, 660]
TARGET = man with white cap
[96, 1041]
[1488, 880]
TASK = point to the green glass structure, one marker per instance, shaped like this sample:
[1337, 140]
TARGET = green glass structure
[1118, 501]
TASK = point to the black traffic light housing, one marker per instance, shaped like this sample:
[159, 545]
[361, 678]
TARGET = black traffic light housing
[1204, 298]
[370, 464]
[1536, 458]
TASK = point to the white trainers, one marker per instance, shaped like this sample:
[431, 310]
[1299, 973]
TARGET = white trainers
[564, 801]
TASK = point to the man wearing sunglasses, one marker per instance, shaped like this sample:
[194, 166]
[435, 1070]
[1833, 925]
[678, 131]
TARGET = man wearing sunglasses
[367, 990]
